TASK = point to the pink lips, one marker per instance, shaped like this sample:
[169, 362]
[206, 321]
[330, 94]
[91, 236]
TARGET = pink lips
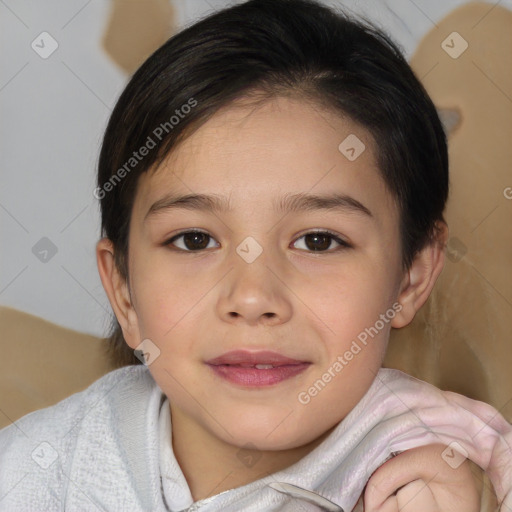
[262, 368]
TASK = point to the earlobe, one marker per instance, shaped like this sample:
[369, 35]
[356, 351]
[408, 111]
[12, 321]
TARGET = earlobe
[117, 290]
[420, 279]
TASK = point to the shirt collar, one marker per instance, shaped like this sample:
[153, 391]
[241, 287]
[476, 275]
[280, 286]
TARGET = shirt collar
[323, 469]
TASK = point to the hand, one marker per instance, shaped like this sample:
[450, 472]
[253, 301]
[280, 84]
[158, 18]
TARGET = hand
[419, 480]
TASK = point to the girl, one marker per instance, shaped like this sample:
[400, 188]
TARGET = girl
[272, 185]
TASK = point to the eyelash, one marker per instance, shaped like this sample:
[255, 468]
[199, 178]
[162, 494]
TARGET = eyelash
[343, 244]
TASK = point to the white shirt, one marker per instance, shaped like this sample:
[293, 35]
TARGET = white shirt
[108, 448]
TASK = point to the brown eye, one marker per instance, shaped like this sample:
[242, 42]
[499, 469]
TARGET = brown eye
[192, 241]
[321, 241]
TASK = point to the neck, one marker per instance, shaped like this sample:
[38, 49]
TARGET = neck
[212, 466]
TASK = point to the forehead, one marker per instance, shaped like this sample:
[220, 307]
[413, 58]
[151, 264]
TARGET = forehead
[254, 155]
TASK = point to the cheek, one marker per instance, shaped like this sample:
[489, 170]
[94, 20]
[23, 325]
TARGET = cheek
[348, 301]
[162, 296]
[355, 326]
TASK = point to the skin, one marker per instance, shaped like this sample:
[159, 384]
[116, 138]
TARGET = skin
[304, 304]
[420, 480]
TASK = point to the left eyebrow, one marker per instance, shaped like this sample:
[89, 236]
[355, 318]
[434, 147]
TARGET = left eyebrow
[289, 203]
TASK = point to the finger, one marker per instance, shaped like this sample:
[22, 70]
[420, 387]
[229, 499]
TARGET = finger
[416, 497]
[389, 477]
[389, 505]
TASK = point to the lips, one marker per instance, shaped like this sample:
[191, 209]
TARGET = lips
[256, 369]
[252, 359]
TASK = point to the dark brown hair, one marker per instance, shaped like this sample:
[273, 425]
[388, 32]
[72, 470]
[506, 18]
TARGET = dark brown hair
[267, 48]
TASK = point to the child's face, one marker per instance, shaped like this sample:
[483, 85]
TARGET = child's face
[306, 305]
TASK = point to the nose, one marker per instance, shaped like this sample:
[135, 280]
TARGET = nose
[254, 293]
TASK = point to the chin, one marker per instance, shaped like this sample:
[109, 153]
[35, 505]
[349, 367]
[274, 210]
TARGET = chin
[280, 436]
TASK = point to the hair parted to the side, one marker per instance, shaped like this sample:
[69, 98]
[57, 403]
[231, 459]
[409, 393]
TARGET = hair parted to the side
[264, 49]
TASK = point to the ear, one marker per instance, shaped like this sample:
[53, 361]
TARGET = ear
[421, 277]
[118, 292]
